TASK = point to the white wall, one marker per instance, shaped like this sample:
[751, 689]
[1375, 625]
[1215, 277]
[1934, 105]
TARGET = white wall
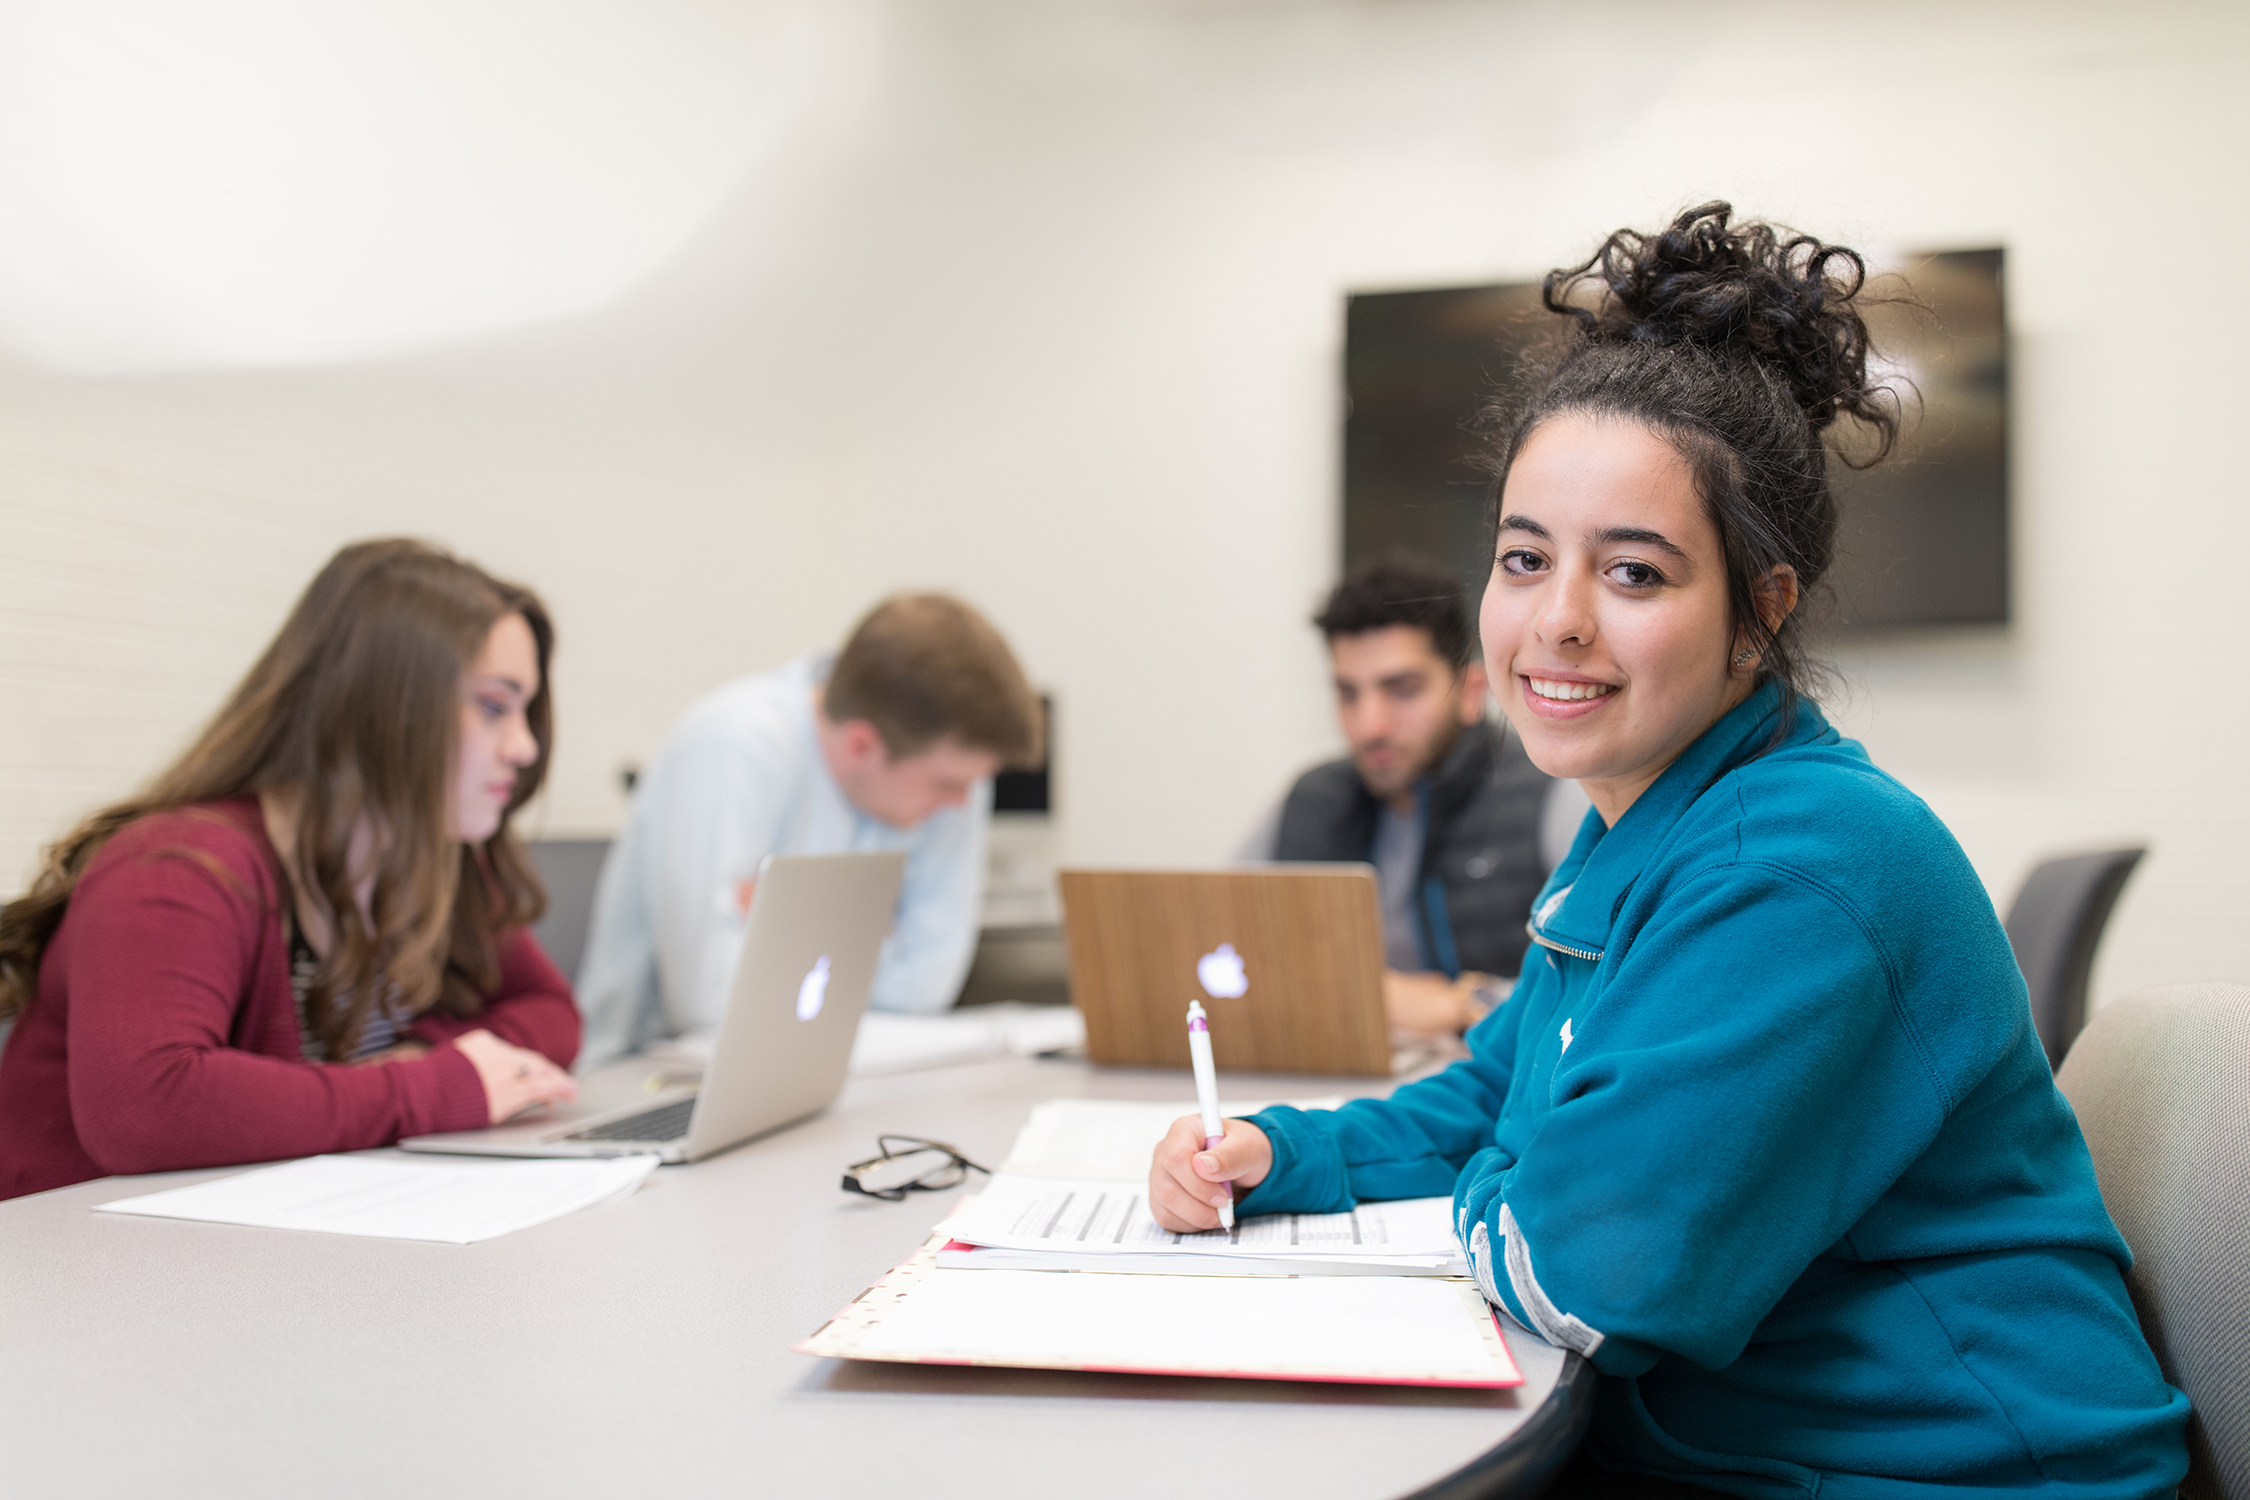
[1043, 304]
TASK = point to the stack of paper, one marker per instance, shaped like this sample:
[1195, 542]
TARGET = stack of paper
[1045, 1224]
[1073, 1195]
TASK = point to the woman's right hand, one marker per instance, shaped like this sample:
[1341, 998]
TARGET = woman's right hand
[514, 1078]
[1183, 1181]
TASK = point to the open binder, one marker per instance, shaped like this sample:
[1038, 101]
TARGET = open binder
[1385, 1330]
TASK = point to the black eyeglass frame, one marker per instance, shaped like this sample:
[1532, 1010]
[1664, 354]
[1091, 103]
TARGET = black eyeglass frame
[953, 1171]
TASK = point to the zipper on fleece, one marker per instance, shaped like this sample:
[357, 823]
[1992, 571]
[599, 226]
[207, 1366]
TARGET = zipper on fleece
[1590, 955]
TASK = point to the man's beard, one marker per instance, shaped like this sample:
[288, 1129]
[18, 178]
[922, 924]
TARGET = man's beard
[1410, 770]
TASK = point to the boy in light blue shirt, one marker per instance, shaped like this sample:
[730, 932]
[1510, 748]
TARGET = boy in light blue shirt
[891, 744]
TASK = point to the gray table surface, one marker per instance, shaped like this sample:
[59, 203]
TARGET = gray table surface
[639, 1347]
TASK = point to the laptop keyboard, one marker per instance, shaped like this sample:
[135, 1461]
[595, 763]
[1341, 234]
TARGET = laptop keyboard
[666, 1122]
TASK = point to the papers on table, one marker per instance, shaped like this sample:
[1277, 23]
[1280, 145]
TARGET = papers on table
[1090, 1220]
[1384, 1329]
[1113, 1138]
[456, 1203]
[1073, 1196]
[975, 1033]
[905, 1044]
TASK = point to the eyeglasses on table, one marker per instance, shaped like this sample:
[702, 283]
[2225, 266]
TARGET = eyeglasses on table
[909, 1164]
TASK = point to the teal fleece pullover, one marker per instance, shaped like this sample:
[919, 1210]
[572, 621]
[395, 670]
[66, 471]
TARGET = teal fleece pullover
[1766, 1133]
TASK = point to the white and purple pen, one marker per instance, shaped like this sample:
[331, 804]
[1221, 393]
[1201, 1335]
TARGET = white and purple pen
[1207, 1099]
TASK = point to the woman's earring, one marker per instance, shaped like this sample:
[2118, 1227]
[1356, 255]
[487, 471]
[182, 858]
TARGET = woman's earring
[1744, 657]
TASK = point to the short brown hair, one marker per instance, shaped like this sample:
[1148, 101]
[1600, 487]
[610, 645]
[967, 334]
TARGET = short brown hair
[922, 667]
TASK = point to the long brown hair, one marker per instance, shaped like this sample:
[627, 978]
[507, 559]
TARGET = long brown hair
[354, 712]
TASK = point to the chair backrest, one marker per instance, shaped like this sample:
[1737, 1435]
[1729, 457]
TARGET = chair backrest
[2161, 1084]
[571, 868]
[2054, 926]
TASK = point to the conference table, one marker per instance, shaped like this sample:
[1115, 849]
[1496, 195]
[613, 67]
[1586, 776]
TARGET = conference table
[643, 1347]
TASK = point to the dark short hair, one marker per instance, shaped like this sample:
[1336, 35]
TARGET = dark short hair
[1387, 591]
[922, 667]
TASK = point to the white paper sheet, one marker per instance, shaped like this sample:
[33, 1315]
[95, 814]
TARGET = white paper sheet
[455, 1203]
[1109, 1138]
[902, 1044]
[1107, 1217]
[906, 1044]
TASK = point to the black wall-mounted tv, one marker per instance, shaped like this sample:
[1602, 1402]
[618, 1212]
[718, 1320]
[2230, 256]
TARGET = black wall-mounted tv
[1924, 536]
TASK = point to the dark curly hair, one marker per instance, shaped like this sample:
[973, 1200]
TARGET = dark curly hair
[1741, 344]
[1401, 590]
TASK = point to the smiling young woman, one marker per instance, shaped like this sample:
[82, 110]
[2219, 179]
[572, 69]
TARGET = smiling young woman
[1609, 597]
[308, 934]
[1766, 1133]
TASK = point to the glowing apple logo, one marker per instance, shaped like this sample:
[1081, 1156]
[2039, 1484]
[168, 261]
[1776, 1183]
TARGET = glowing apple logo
[813, 993]
[1221, 974]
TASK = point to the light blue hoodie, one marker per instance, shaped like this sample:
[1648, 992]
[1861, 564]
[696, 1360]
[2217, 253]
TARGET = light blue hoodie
[1768, 1135]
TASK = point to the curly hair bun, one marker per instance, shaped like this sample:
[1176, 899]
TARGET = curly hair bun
[1745, 290]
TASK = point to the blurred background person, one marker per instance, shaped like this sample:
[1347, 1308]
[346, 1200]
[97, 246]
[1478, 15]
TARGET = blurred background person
[309, 933]
[890, 744]
[1441, 801]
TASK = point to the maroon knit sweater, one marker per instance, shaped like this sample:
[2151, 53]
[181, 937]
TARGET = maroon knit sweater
[165, 1032]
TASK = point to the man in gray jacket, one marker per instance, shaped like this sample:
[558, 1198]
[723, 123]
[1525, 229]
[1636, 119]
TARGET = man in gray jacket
[1439, 799]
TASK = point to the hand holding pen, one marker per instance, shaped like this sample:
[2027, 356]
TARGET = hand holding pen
[1207, 1099]
[1185, 1180]
[1201, 1152]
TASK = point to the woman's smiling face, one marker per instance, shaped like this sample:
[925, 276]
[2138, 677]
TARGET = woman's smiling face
[1606, 626]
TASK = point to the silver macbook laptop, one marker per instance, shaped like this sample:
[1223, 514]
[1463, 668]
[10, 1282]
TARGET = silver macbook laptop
[815, 929]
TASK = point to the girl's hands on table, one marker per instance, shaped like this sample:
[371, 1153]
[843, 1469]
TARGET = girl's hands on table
[514, 1078]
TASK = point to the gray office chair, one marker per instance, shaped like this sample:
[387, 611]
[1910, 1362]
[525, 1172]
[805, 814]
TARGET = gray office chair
[570, 868]
[2159, 1084]
[2054, 926]
[1525, 1464]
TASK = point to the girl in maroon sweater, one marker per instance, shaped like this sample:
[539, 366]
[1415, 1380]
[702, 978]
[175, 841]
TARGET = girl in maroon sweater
[309, 934]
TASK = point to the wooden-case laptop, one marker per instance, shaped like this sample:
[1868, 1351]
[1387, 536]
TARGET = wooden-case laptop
[1309, 938]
